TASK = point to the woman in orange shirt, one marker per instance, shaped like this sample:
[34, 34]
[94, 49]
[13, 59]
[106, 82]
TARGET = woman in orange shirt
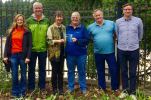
[18, 50]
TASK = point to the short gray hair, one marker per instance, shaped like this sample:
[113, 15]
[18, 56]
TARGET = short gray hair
[37, 3]
[75, 14]
[94, 11]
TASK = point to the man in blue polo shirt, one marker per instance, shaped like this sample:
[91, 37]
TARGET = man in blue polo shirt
[103, 32]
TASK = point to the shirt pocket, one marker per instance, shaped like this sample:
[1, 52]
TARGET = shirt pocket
[122, 28]
[133, 28]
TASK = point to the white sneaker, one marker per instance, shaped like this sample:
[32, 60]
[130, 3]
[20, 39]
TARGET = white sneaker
[123, 95]
[133, 97]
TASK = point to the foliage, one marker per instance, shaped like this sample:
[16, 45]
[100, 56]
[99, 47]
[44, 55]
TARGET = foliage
[142, 9]
[5, 83]
[51, 97]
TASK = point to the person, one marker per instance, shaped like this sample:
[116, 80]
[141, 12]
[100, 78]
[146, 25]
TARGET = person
[76, 51]
[18, 51]
[56, 42]
[102, 32]
[38, 24]
[129, 34]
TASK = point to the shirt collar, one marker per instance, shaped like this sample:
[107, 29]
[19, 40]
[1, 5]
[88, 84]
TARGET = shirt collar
[57, 25]
[100, 25]
[36, 18]
[130, 18]
[77, 26]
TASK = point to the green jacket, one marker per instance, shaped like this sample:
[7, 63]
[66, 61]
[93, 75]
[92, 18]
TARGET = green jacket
[39, 33]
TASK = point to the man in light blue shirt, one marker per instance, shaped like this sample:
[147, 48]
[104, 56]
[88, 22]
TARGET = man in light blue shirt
[102, 32]
[129, 34]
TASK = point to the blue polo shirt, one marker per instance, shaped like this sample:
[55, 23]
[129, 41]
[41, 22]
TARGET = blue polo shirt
[103, 36]
[79, 47]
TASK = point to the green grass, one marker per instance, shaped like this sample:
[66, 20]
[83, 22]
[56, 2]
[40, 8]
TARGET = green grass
[92, 94]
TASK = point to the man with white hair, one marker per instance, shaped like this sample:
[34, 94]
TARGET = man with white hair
[76, 50]
[38, 24]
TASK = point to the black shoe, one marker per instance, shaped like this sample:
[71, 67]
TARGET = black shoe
[43, 93]
[60, 92]
[54, 92]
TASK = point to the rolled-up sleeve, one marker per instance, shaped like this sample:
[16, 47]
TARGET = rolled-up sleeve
[49, 37]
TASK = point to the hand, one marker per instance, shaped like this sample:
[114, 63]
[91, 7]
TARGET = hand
[59, 41]
[5, 60]
[27, 60]
[62, 40]
[74, 39]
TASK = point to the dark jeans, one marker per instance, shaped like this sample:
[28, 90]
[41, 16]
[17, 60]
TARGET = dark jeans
[113, 69]
[41, 66]
[18, 87]
[128, 61]
[57, 74]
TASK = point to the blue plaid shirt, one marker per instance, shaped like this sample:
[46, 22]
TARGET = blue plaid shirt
[129, 33]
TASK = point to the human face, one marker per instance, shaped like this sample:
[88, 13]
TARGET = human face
[38, 10]
[20, 21]
[75, 20]
[98, 16]
[127, 11]
[58, 20]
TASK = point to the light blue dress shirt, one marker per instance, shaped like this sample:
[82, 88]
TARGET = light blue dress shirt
[129, 33]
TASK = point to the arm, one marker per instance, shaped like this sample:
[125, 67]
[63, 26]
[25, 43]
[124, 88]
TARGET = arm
[6, 49]
[90, 34]
[29, 42]
[51, 41]
[116, 29]
[83, 41]
[140, 30]
[115, 33]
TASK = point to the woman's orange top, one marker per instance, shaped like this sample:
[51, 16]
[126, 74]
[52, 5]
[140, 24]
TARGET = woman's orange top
[17, 39]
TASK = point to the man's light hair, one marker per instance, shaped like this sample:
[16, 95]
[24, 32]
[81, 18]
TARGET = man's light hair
[75, 14]
[94, 11]
[37, 3]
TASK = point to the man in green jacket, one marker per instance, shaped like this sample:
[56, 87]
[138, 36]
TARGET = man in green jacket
[38, 24]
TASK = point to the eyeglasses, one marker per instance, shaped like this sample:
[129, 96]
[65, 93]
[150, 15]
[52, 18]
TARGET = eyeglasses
[127, 9]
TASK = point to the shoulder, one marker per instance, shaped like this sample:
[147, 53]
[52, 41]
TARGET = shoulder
[29, 19]
[92, 25]
[68, 27]
[119, 20]
[109, 22]
[82, 26]
[46, 19]
[51, 26]
[136, 18]
[63, 26]
[27, 31]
